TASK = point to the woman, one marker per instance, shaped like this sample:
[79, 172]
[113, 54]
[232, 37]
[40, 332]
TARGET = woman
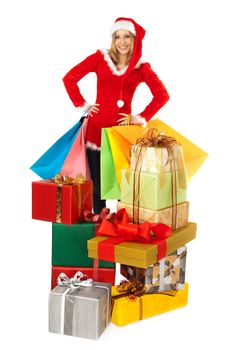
[119, 71]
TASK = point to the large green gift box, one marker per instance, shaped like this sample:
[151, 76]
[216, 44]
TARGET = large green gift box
[69, 245]
[154, 189]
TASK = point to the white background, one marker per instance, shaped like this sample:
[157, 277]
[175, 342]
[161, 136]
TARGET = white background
[188, 44]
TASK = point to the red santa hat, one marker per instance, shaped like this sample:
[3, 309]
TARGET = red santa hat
[138, 32]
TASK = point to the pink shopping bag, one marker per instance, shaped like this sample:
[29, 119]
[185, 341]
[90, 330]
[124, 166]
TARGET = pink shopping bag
[76, 162]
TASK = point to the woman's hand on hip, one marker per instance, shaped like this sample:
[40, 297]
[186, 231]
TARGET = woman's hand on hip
[93, 109]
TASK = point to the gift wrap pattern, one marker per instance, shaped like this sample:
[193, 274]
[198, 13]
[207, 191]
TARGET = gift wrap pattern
[155, 189]
[163, 215]
[129, 309]
[82, 312]
[166, 274]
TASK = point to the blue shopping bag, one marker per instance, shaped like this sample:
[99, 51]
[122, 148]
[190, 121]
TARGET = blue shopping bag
[50, 163]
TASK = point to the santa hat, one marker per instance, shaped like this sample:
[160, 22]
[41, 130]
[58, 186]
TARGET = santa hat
[138, 32]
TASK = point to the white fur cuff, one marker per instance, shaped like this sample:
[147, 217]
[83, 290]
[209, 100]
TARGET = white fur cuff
[84, 108]
[92, 146]
[137, 119]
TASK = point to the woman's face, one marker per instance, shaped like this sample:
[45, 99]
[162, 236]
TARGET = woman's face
[123, 41]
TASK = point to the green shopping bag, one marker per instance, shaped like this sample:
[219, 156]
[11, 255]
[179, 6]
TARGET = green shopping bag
[109, 184]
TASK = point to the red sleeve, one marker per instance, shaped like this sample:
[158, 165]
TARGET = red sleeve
[75, 74]
[158, 90]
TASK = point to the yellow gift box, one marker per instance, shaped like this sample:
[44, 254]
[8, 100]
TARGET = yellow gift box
[152, 191]
[153, 216]
[139, 254]
[129, 309]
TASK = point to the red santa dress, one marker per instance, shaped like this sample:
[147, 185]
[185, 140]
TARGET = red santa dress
[114, 85]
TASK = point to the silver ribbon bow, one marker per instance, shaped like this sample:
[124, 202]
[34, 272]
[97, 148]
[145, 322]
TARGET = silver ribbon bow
[79, 280]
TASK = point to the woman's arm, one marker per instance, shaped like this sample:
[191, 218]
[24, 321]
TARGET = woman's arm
[75, 74]
[158, 90]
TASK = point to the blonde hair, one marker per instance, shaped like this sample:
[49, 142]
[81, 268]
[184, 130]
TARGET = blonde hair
[114, 54]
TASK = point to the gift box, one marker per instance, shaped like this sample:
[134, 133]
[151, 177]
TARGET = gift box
[129, 309]
[139, 254]
[166, 274]
[162, 215]
[156, 159]
[61, 203]
[152, 191]
[96, 273]
[69, 245]
[80, 309]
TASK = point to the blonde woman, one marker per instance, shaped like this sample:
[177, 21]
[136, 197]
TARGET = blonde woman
[119, 71]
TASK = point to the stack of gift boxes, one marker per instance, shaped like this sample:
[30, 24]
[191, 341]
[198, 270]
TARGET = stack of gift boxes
[147, 236]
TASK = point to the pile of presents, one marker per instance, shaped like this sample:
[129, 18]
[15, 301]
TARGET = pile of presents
[146, 235]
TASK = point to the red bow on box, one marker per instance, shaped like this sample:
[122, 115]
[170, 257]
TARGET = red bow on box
[122, 230]
[97, 218]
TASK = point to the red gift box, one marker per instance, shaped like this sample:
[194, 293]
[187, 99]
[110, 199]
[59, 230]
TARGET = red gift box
[62, 203]
[98, 274]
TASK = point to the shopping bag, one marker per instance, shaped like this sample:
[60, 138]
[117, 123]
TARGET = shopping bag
[120, 139]
[76, 162]
[109, 184]
[50, 163]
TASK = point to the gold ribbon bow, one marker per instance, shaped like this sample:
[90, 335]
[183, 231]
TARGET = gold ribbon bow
[133, 286]
[67, 180]
[154, 139]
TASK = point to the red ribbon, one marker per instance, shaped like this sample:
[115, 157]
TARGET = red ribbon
[97, 218]
[122, 230]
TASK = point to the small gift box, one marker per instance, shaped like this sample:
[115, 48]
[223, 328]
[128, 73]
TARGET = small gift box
[129, 308]
[166, 274]
[156, 159]
[69, 245]
[137, 245]
[163, 215]
[79, 307]
[97, 273]
[153, 191]
[61, 200]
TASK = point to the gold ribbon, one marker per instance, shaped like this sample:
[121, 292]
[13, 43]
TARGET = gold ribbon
[128, 119]
[61, 180]
[154, 139]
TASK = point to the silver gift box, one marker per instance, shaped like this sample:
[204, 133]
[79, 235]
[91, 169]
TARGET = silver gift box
[82, 312]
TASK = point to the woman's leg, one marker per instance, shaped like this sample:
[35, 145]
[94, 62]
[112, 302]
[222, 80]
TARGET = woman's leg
[94, 164]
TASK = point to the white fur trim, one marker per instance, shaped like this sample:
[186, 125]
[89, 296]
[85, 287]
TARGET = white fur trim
[126, 25]
[111, 65]
[92, 146]
[84, 108]
[137, 119]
